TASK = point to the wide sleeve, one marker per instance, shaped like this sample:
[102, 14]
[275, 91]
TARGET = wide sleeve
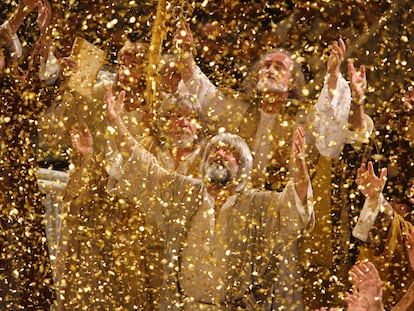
[367, 217]
[200, 86]
[331, 120]
[143, 181]
[49, 68]
[286, 216]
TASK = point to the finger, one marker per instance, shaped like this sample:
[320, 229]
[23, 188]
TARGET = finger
[363, 168]
[371, 168]
[108, 93]
[359, 173]
[301, 131]
[362, 73]
[350, 66]
[383, 175]
[334, 46]
[122, 96]
[342, 45]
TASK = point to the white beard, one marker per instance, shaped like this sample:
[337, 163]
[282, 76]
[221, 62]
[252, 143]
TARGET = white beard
[264, 86]
[218, 174]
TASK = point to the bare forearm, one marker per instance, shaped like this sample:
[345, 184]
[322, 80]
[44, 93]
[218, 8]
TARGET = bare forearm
[301, 180]
[356, 118]
[332, 83]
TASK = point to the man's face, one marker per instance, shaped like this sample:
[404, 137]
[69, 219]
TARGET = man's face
[131, 72]
[275, 73]
[221, 167]
[170, 77]
[181, 128]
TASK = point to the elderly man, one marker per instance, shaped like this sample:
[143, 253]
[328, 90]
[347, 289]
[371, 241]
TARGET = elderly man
[272, 104]
[222, 237]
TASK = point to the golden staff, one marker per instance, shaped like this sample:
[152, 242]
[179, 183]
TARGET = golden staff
[158, 35]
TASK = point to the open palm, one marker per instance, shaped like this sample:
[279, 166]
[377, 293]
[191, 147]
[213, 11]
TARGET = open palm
[368, 183]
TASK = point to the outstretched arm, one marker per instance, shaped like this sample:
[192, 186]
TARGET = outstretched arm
[335, 59]
[300, 174]
[124, 139]
[184, 42]
[358, 83]
[370, 184]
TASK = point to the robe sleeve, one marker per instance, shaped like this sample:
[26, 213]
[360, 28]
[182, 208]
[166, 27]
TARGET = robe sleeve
[49, 69]
[287, 216]
[199, 85]
[331, 121]
[143, 181]
[367, 217]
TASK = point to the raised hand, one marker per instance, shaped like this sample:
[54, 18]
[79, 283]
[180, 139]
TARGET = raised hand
[298, 146]
[336, 57]
[81, 140]
[365, 278]
[184, 42]
[358, 81]
[44, 15]
[184, 37]
[114, 105]
[368, 183]
[356, 301]
[300, 174]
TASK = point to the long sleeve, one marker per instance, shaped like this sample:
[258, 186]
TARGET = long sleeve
[331, 120]
[286, 216]
[367, 218]
[199, 85]
[49, 69]
[220, 109]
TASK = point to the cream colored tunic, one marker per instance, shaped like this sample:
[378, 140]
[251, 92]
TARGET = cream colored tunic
[216, 264]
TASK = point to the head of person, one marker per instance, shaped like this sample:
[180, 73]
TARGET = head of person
[170, 74]
[227, 163]
[178, 124]
[276, 73]
[132, 62]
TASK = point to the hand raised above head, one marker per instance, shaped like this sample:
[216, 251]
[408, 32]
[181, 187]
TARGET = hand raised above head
[336, 57]
[114, 105]
[368, 183]
[358, 81]
[44, 16]
[299, 142]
